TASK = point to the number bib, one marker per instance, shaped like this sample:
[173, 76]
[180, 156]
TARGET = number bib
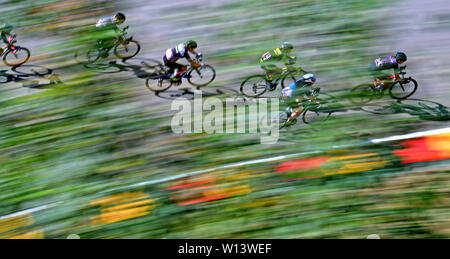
[266, 56]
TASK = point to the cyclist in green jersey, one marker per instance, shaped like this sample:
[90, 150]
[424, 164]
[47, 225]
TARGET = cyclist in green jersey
[268, 60]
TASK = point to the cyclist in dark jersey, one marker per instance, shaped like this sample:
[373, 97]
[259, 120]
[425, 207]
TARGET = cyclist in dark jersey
[293, 95]
[180, 51]
[380, 65]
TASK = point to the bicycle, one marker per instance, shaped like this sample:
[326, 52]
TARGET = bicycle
[399, 90]
[15, 56]
[314, 112]
[256, 85]
[160, 80]
[124, 48]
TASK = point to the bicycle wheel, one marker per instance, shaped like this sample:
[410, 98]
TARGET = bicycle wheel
[362, 94]
[254, 86]
[83, 56]
[201, 76]
[288, 80]
[128, 49]
[315, 117]
[14, 58]
[403, 90]
[158, 83]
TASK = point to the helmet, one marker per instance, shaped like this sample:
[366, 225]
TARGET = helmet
[401, 56]
[191, 44]
[6, 27]
[309, 78]
[286, 46]
[120, 17]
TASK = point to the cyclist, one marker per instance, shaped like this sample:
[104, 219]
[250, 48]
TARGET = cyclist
[379, 65]
[6, 35]
[180, 51]
[268, 60]
[108, 31]
[293, 95]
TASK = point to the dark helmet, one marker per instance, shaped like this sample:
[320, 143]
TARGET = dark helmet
[191, 44]
[401, 56]
[120, 17]
[287, 46]
[6, 28]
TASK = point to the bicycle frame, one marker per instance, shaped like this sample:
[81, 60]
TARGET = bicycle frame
[401, 73]
[10, 46]
[283, 74]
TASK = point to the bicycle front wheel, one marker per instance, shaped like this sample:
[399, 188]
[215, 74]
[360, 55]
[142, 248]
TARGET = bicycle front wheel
[15, 58]
[202, 76]
[403, 90]
[254, 86]
[288, 80]
[158, 83]
[315, 117]
[128, 49]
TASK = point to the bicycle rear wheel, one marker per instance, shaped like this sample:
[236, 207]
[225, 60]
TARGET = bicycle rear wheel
[158, 83]
[17, 57]
[254, 86]
[201, 76]
[362, 94]
[403, 90]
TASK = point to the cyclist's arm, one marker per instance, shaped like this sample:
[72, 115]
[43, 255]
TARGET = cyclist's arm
[192, 62]
[289, 63]
[118, 31]
[397, 76]
[310, 94]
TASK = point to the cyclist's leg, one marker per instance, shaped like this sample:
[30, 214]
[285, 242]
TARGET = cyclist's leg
[168, 65]
[176, 70]
[380, 77]
[375, 72]
[269, 70]
[272, 74]
[296, 107]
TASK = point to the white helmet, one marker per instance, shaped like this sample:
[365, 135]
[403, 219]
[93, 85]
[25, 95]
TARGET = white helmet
[309, 78]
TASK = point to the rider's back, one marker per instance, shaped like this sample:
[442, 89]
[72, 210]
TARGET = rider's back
[383, 63]
[173, 54]
[273, 55]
